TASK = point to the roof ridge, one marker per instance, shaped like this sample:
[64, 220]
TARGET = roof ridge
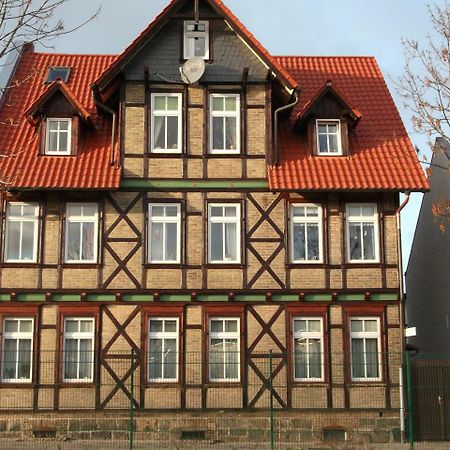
[326, 56]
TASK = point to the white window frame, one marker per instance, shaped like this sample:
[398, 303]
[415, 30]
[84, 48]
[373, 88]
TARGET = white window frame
[366, 335]
[360, 219]
[81, 219]
[307, 220]
[223, 220]
[195, 34]
[166, 113]
[69, 136]
[339, 137]
[164, 220]
[78, 335]
[225, 335]
[309, 335]
[236, 114]
[34, 219]
[162, 335]
[17, 335]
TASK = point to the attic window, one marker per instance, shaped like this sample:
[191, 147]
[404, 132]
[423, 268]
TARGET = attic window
[196, 39]
[58, 72]
[329, 137]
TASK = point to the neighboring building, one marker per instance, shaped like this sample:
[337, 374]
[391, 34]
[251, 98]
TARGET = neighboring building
[428, 273]
[147, 214]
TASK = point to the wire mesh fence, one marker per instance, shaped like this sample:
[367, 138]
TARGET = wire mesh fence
[222, 399]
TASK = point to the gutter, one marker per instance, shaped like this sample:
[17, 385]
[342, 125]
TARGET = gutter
[275, 122]
[98, 102]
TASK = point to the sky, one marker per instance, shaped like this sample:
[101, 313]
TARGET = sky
[284, 27]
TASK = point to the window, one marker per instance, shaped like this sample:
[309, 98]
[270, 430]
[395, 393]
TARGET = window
[224, 233]
[78, 358]
[224, 123]
[164, 233]
[308, 349]
[166, 123]
[224, 355]
[362, 232]
[196, 39]
[21, 232]
[365, 348]
[329, 137]
[163, 349]
[58, 72]
[306, 233]
[58, 136]
[81, 232]
[17, 350]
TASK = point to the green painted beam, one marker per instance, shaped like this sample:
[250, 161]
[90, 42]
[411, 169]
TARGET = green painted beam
[66, 297]
[213, 297]
[5, 297]
[134, 183]
[318, 297]
[384, 297]
[285, 297]
[175, 298]
[31, 297]
[101, 297]
[351, 297]
[250, 298]
[137, 298]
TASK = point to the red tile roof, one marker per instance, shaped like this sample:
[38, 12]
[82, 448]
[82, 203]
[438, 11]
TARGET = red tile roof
[24, 168]
[382, 156]
[221, 9]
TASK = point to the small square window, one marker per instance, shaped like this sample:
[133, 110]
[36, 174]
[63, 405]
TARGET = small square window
[55, 73]
[196, 39]
[58, 136]
[328, 137]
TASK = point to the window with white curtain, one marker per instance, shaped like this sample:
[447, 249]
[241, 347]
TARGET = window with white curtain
[308, 348]
[362, 232]
[81, 232]
[224, 349]
[58, 136]
[17, 349]
[365, 348]
[224, 125]
[164, 230]
[224, 234]
[78, 351]
[306, 233]
[21, 238]
[196, 39]
[165, 123]
[163, 349]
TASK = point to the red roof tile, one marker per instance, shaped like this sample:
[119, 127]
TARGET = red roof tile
[25, 168]
[382, 156]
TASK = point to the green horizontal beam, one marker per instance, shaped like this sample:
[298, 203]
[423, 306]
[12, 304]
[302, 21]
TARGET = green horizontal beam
[133, 183]
[66, 297]
[318, 297]
[351, 297]
[101, 297]
[384, 297]
[31, 297]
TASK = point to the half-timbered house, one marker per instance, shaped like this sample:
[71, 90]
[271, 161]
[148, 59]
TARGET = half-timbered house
[202, 226]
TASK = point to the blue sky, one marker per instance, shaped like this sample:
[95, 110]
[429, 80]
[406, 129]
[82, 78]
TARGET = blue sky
[284, 27]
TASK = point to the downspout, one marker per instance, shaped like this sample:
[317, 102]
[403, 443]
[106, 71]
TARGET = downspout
[109, 110]
[402, 308]
[275, 123]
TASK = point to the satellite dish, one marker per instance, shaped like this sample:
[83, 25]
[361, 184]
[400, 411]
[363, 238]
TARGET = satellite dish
[192, 70]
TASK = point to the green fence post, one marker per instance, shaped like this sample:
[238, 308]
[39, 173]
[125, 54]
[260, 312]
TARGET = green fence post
[272, 435]
[131, 399]
[410, 402]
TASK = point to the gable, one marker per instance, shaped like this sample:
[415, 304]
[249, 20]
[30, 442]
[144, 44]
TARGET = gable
[163, 53]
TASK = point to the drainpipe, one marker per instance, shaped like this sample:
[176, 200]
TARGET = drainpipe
[109, 110]
[275, 123]
[402, 307]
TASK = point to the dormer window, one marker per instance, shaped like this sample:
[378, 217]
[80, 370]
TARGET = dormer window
[196, 39]
[58, 136]
[329, 137]
[55, 73]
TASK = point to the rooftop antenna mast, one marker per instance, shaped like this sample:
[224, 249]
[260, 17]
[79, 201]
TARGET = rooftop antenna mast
[196, 12]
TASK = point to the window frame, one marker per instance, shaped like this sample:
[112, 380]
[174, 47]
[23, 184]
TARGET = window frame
[28, 336]
[339, 137]
[306, 220]
[166, 113]
[237, 220]
[192, 35]
[35, 219]
[366, 335]
[177, 220]
[68, 151]
[78, 336]
[224, 335]
[310, 335]
[96, 232]
[375, 219]
[163, 335]
[213, 114]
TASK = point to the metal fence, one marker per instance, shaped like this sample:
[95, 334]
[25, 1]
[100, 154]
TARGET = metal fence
[225, 400]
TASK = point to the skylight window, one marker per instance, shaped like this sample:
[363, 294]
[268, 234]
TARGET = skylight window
[55, 73]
